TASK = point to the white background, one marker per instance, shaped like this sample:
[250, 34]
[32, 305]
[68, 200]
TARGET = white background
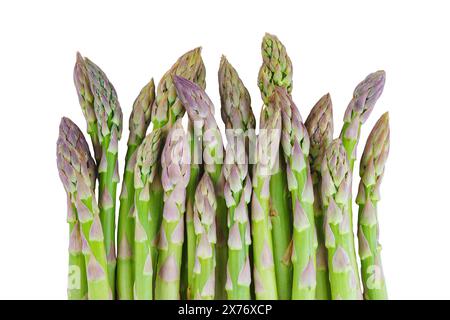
[333, 45]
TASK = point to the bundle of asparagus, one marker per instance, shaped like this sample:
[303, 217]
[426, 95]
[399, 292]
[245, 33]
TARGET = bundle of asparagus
[267, 217]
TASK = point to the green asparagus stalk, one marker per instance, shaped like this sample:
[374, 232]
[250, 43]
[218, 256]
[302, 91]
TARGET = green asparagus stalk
[187, 274]
[86, 99]
[240, 123]
[168, 107]
[268, 144]
[371, 172]
[147, 221]
[237, 192]
[109, 118]
[364, 98]
[295, 142]
[77, 172]
[199, 108]
[138, 124]
[175, 162]
[205, 231]
[276, 71]
[77, 288]
[320, 129]
[166, 110]
[336, 186]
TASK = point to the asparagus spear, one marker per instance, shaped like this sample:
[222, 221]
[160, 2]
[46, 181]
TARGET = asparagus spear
[268, 144]
[147, 221]
[77, 288]
[187, 275]
[276, 70]
[138, 124]
[240, 123]
[77, 172]
[199, 108]
[371, 173]
[86, 99]
[168, 107]
[320, 129]
[237, 191]
[205, 232]
[109, 118]
[364, 98]
[175, 161]
[166, 110]
[295, 142]
[336, 186]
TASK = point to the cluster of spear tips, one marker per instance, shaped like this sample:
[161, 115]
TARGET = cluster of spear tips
[269, 217]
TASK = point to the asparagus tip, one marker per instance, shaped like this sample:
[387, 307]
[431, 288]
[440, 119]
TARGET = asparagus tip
[79, 57]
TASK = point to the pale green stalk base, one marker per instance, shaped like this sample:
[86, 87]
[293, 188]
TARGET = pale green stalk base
[222, 238]
[143, 285]
[323, 290]
[77, 288]
[125, 232]
[264, 275]
[107, 213]
[155, 216]
[169, 290]
[280, 216]
[304, 244]
[371, 266]
[349, 146]
[98, 289]
[236, 261]
[207, 267]
[221, 248]
[340, 279]
[189, 245]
